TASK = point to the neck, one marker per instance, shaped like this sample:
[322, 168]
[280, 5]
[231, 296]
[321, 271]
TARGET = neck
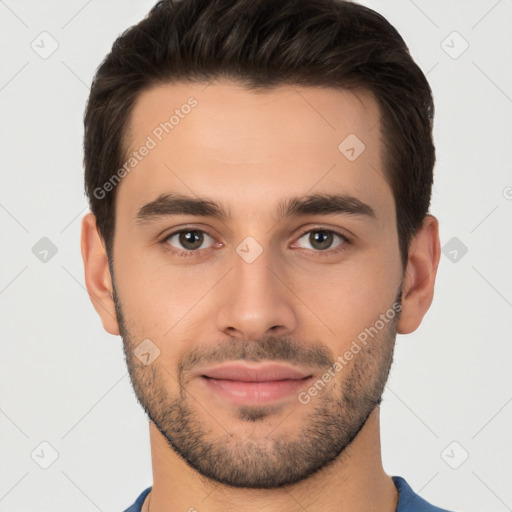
[355, 481]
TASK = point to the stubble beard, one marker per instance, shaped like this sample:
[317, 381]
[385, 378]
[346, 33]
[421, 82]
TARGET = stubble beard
[335, 416]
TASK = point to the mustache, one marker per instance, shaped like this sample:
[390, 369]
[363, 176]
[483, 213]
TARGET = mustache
[269, 349]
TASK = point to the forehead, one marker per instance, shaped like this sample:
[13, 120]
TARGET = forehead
[253, 146]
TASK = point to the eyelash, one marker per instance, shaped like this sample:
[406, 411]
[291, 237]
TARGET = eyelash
[191, 253]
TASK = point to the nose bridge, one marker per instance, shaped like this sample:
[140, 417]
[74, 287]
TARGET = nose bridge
[252, 263]
[254, 298]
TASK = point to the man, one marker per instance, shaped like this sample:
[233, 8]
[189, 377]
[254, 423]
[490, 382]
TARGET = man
[259, 174]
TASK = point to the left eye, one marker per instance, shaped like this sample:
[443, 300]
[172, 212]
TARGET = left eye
[190, 240]
[322, 239]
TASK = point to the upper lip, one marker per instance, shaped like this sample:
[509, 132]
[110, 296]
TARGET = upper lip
[254, 373]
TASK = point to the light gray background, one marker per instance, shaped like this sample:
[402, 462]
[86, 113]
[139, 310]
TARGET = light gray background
[63, 380]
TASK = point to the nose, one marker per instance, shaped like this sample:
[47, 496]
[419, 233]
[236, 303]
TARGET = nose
[257, 299]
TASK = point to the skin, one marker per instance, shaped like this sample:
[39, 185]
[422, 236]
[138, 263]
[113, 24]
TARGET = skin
[293, 296]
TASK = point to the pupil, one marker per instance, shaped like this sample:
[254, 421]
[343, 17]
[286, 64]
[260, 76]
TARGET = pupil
[323, 238]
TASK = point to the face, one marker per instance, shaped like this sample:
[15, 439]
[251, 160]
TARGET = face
[257, 275]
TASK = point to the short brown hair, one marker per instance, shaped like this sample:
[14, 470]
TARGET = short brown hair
[264, 44]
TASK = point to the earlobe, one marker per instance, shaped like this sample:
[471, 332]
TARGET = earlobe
[97, 274]
[418, 288]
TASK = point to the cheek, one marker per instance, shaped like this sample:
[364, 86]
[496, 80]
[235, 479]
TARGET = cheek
[349, 298]
[159, 299]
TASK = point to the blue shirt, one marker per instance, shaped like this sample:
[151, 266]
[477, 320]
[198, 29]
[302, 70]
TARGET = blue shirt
[408, 500]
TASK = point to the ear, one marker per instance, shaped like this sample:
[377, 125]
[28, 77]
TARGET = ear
[97, 274]
[421, 270]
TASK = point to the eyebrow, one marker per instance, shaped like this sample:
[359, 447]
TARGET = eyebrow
[314, 204]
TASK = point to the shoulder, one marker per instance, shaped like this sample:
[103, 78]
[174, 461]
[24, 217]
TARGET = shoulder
[137, 506]
[409, 501]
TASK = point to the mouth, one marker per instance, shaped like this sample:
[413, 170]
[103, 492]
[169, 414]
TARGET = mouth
[244, 384]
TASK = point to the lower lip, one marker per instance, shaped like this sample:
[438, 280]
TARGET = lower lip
[240, 392]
